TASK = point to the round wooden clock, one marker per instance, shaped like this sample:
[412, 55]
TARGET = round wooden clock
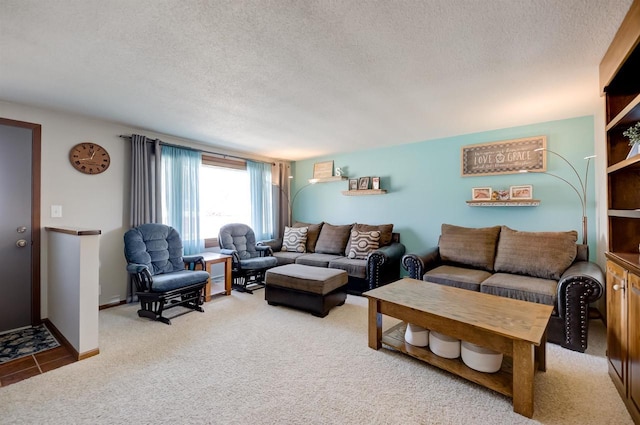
[89, 158]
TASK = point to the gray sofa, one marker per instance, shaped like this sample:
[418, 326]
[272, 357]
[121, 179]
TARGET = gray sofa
[330, 246]
[543, 267]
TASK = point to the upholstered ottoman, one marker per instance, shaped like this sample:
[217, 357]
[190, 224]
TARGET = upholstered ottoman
[313, 289]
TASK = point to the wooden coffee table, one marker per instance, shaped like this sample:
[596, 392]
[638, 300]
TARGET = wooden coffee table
[515, 328]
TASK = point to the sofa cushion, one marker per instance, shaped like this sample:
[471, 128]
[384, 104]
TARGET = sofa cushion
[353, 267]
[362, 243]
[475, 247]
[539, 254]
[316, 259]
[525, 288]
[295, 239]
[386, 232]
[312, 234]
[286, 257]
[459, 277]
[333, 239]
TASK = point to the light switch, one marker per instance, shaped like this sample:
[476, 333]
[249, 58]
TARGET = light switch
[56, 211]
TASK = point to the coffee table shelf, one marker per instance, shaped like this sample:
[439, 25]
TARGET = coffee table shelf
[513, 327]
[500, 381]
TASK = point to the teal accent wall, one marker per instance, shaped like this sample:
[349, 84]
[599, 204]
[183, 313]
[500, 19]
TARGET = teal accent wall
[425, 186]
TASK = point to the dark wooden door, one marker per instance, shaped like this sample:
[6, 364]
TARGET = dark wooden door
[19, 224]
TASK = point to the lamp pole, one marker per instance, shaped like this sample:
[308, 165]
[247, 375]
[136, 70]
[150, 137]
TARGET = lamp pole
[291, 201]
[581, 192]
[295, 195]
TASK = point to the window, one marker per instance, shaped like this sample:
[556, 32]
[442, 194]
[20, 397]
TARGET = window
[224, 196]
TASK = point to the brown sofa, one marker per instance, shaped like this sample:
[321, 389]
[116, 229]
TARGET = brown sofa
[328, 245]
[543, 267]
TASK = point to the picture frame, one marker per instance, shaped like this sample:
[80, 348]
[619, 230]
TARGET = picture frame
[521, 192]
[363, 183]
[322, 170]
[375, 183]
[481, 193]
[353, 184]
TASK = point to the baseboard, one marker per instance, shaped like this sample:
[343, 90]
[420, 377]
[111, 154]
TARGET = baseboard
[56, 333]
[116, 304]
[88, 354]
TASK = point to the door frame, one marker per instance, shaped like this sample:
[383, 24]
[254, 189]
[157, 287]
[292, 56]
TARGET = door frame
[36, 139]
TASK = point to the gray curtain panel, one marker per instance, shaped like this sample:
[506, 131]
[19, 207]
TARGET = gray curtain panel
[280, 172]
[146, 186]
[145, 181]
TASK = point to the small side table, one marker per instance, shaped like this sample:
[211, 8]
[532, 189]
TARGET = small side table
[214, 258]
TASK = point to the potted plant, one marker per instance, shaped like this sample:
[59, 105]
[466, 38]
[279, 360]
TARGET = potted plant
[633, 133]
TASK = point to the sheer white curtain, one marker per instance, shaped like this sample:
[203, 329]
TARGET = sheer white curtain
[181, 191]
[261, 199]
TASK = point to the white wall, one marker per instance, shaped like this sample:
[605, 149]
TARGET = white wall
[73, 276]
[88, 201]
[93, 202]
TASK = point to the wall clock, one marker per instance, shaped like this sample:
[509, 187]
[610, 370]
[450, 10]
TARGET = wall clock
[89, 158]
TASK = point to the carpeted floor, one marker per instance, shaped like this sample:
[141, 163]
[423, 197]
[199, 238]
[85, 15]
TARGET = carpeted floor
[24, 342]
[245, 362]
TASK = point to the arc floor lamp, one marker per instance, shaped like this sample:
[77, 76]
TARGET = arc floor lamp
[580, 189]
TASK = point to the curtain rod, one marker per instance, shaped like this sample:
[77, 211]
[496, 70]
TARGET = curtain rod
[224, 155]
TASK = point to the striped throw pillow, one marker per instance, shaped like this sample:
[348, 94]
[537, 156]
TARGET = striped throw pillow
[362, 243]
[295, 239]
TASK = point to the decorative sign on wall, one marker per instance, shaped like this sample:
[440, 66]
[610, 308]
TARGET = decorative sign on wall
[322, 170]
[505, 157]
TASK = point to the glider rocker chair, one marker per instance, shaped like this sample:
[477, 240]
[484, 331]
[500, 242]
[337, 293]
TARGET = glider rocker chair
[249, 261]
[163, 277]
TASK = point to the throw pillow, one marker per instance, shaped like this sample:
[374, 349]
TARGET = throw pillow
[295, 239]
[362, 243]
[333, 239]
[386, 233]
[540, 254]
[312, 234]
[475, 247]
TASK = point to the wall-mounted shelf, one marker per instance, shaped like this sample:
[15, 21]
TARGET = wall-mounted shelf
[511, 203]
[328, 179]
[364, 192]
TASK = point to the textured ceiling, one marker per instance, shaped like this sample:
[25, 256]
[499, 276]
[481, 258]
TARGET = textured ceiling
[298, 79]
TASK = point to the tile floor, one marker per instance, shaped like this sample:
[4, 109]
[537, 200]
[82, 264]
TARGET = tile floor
[35, 364]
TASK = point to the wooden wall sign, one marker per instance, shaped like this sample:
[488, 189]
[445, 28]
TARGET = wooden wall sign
[505, 157]
[322, 170]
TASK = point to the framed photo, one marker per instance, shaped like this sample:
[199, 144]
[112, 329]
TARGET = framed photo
[375, 183]
[353, 184]
[521, 192]
[481, 194]
[322, 170]
[363, 183]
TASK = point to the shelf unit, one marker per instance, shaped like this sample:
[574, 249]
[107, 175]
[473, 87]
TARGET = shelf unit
[500, 381]
[328, 179]
[364, 192]
[510, 203]
[620, 83]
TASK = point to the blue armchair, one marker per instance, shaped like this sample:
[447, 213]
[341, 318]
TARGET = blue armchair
[249, 261]
[162, 276]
